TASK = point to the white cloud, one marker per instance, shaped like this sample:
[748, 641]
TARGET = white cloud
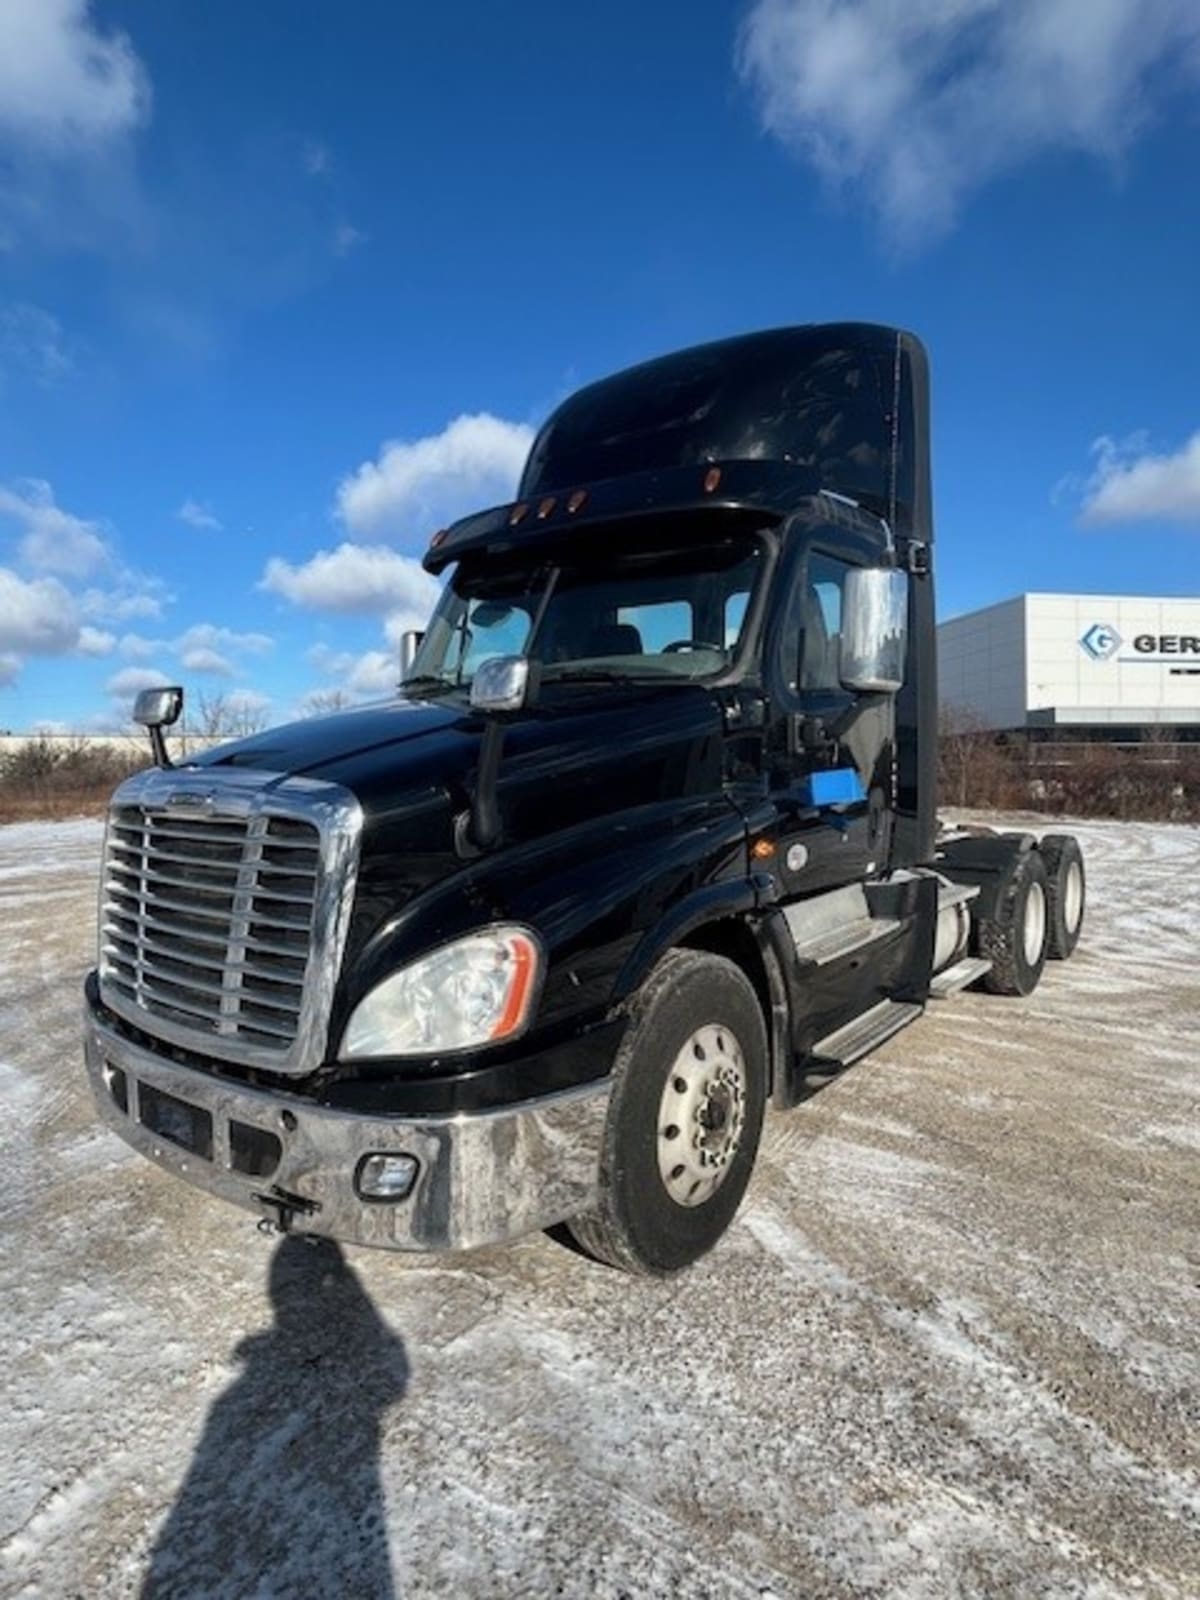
[95, 642]
[64, 82]
[31, 342]
[1130, 483]
[135, 597]
[375, 672]
[921, 103]
[10, 668]
[55, 540]
[366, 676]
[204, 647]
[402, 622]
[200, 516]
[37, 618]
[136, 648]
[130, 681]
[354, 578]
[204, 660]
[208, 636]
[346, 237]
[416, 485]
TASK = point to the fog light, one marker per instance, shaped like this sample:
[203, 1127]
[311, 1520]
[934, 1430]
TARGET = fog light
[382, 1177]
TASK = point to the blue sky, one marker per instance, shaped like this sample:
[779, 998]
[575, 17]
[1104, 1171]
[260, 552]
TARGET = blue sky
[284, 285]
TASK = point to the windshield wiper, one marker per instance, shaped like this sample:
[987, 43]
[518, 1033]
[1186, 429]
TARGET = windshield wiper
[596, 675]
[428, 680]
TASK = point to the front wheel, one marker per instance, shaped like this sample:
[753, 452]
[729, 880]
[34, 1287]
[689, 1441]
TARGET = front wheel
[689, 1092]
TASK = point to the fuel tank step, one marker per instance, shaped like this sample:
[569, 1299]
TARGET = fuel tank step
[855, 1039]
[829, 945]
[958, 976]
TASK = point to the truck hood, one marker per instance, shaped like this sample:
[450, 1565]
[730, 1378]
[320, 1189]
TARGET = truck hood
[581, 763]
[320, 742]
[589, 753]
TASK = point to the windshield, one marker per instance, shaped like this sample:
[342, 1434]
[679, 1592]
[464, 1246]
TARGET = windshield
[610, 614]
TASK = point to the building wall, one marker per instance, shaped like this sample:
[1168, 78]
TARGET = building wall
[1064, 660]
[981, 665]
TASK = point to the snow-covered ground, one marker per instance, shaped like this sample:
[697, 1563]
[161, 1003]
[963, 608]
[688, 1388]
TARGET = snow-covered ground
[951, 1346]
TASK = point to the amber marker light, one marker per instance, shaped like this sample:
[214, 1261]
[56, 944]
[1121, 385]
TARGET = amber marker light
[762, 849]
[546, 507]
[523, 955]
[712, 479]
[439, 538]
[576, 500]
[517, 512]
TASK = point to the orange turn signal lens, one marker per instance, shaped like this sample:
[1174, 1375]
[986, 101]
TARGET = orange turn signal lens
[517, 512]
[712, 479]
[546, 507]
[576, 500]
[522, 954]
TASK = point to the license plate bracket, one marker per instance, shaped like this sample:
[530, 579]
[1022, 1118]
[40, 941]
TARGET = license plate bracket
[180, 1123]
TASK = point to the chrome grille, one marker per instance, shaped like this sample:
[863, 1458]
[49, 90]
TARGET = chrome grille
[207, 921]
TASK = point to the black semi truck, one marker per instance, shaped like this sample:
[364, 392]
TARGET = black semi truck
[646, 840]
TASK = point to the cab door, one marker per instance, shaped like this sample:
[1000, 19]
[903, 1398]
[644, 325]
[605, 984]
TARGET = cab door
[829, 749]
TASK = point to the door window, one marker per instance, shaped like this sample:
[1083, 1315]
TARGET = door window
[819, 615]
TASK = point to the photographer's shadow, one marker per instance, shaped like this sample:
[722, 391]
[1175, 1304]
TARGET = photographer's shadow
[284, 1494]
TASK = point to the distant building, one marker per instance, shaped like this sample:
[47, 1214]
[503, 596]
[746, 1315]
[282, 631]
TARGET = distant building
[1055, 666]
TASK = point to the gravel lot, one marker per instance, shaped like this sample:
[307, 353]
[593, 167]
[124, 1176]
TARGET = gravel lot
[950, 1347]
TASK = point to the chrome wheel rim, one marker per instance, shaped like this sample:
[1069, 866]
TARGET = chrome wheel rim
[1073, 897]
[701, 1115]
[1034, 931]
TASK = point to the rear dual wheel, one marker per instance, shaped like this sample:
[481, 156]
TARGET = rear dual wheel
[1066, 893]
[1014, 937]
[684, 1119]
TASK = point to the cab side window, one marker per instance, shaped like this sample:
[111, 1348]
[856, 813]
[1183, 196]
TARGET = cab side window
[820, 618]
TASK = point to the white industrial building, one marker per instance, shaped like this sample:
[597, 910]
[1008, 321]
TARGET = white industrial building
[1099, 665]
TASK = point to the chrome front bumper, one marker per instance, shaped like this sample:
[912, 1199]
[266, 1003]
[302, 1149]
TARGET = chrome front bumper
[483, 1176]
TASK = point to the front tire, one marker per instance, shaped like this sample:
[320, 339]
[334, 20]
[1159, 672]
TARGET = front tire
[684, 1120]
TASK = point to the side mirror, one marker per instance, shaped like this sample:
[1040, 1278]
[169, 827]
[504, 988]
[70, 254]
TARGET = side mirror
[410, 643]
[504, 683]
[874, 629]
[157, 709]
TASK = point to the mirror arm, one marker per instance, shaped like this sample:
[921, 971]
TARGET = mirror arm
[158, 744]
[485, 805]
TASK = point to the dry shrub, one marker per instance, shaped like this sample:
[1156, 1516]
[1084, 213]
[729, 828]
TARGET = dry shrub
[1157, 780]
[53, 778]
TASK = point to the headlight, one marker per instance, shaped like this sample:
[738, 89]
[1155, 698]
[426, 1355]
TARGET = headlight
[478, 990]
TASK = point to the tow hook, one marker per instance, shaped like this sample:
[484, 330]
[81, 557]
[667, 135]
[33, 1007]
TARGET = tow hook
[282, 1209]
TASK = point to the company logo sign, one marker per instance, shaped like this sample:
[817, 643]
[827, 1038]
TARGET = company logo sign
[1101, 641]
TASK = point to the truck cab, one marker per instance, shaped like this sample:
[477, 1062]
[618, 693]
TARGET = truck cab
[646, 840]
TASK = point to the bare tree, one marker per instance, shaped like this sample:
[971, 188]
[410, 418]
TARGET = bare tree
[974, 768]
[321, 702]
[224, 716]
